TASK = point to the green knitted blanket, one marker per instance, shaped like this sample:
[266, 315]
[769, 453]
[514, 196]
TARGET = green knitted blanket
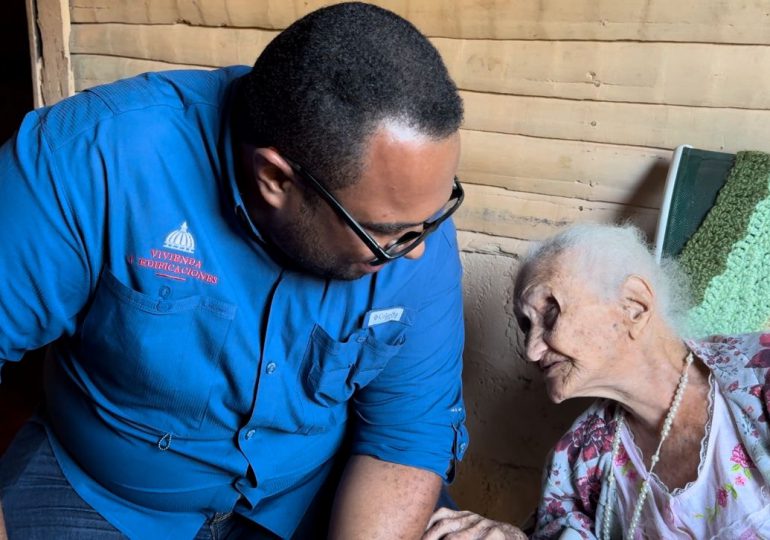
[728, 257]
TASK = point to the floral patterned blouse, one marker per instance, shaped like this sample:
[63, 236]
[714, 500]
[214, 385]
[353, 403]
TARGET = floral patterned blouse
[575, 494]
[727, 500]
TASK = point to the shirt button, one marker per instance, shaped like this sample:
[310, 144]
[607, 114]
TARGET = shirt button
[250, 433]
[164, 291]
[361, 338]
[271, 367]
[163, 306]
[463, 446]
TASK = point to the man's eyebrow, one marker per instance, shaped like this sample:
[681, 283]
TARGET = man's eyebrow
[389, 228]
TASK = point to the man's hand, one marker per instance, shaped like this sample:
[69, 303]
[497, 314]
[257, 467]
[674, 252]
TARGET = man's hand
[380, 500]
[462, 525]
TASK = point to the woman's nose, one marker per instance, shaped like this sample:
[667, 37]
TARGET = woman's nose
[535, 347]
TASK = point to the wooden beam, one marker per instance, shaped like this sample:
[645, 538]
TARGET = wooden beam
[50, 34]
[177, 44]
[665, 73]
[35, 54]
[601, 20]
[661, 73]
[586, 171]
[93, 70]
[528, 216]
[652, 125]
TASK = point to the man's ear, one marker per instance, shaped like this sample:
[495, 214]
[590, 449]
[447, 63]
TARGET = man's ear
[273, 176]
[638, 301]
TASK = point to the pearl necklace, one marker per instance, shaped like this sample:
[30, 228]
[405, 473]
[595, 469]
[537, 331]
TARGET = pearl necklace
[665, 430]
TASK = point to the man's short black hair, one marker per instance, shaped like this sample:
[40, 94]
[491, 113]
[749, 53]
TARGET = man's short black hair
[325, 84]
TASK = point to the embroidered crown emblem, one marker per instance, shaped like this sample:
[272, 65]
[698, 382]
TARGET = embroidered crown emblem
[180, 240]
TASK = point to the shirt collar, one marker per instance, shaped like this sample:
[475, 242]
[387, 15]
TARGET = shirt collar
[227, 152]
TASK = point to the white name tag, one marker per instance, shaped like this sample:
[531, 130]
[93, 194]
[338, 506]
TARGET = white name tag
[374, 318]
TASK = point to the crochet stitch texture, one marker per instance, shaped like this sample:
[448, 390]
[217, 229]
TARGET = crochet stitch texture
[728, 257]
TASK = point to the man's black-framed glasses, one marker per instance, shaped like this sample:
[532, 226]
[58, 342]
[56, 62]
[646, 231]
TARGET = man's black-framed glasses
[406, 242]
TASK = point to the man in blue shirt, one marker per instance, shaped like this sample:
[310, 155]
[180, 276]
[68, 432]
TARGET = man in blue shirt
[234, 272]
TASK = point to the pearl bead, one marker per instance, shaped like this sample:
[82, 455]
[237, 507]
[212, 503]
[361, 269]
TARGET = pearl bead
[619, 425]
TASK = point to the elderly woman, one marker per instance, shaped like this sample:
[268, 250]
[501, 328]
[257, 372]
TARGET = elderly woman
[678, 445]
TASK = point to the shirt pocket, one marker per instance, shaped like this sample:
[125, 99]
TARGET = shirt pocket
[152, 361]
[336, 370]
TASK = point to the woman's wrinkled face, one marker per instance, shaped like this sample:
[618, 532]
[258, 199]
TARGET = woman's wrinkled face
[573, 333]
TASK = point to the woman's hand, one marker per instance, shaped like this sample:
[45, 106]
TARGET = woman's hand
[462, 525]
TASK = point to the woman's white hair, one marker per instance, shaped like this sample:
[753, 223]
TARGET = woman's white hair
[605, 255]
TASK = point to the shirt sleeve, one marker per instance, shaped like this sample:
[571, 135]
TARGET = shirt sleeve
[573, 478]
[413, 413]
[561, 513]
[43, 277]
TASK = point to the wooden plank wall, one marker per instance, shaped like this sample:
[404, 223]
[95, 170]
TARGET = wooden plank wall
[572, 106]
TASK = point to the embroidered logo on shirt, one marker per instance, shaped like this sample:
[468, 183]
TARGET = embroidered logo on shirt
[170, 265]
[181, 240]
[374, 318]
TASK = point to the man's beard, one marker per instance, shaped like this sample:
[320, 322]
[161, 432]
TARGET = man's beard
[301, 242]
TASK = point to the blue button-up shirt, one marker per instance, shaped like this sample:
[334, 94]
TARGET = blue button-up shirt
[189, 373]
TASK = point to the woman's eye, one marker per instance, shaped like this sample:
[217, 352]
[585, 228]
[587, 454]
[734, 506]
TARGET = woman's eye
[551, 313]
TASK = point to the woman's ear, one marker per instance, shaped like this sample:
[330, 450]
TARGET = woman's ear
[638, 300]
[273, 176]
